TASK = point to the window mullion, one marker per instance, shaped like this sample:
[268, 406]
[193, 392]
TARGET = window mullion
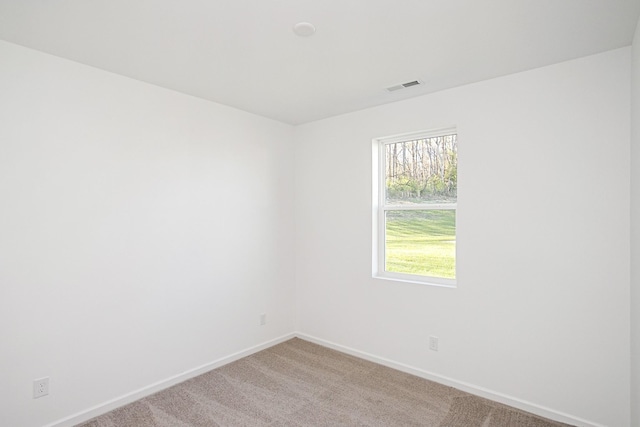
[420, 207]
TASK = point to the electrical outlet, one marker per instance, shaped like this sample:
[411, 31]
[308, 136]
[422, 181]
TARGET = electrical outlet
[263, 319]
[433, 343]
[40, 387]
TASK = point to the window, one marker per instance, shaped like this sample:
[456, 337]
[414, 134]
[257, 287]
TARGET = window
[415, 196]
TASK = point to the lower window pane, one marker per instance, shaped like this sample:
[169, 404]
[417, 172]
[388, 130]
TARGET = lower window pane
[421, 242]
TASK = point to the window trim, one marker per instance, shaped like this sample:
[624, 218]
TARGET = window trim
[380, 207]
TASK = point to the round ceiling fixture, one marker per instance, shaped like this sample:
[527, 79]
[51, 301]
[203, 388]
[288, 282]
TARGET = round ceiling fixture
[304, 29]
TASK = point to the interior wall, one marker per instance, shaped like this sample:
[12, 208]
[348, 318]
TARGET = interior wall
[137, 234]
[635, 230]
[540, 314]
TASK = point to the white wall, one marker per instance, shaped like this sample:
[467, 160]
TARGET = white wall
[541, 311]
[137, 234]
[635, 230]
[138, 226]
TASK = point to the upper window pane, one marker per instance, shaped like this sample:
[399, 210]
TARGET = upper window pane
[422, 170]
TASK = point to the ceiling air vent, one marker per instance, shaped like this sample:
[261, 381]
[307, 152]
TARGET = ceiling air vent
[404, 85]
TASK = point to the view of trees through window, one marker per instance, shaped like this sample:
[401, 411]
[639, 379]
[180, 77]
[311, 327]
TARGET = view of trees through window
[422, 170]
[419, 173]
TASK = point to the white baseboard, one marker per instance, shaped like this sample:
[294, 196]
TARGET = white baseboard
[161, 385]
[460, 385]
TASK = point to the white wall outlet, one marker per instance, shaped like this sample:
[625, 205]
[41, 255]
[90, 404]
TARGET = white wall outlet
[433, 343]
[263, 319]
[40, 387]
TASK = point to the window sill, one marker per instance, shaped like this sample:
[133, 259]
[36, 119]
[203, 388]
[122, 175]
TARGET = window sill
[419, 280]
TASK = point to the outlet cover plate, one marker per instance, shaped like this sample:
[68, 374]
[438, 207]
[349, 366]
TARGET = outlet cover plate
[433, 343]
[40, 387]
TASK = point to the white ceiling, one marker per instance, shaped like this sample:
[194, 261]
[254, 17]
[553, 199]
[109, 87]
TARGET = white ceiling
[243, 53]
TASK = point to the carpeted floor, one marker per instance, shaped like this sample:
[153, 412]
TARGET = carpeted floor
[298, 383]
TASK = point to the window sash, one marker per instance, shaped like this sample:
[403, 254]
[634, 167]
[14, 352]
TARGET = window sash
[380, 270]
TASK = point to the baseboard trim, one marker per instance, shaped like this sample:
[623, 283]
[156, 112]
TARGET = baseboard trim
[460, 385]
[125, 399]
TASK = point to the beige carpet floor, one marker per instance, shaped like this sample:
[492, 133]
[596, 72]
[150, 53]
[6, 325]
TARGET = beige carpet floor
[298, 383]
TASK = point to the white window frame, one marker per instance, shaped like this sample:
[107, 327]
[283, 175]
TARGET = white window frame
[380, 207]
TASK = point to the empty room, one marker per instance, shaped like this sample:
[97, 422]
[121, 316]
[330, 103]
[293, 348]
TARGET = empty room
[319, 213]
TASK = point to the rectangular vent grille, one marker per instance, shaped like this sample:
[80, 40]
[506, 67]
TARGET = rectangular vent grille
[409, 84]
[404, 85]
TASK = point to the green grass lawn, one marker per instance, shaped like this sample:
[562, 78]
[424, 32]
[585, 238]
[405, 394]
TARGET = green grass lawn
[421, 242]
